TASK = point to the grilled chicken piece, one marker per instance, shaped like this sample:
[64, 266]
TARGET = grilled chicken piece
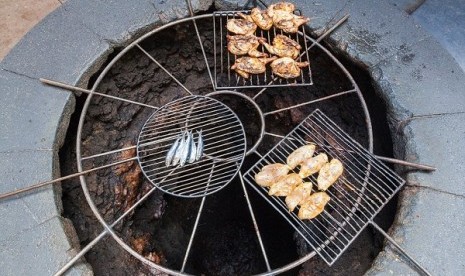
[298, 195]
[250, 65]
[241, 26]
[287, 68]
[312, 165]
[299, 155]
[289, 22]
[245, 44]
[280, 7]
[313, 205]
[261, 18]
[271, 174]
[285, 185]
[329, 173]
[283, 46]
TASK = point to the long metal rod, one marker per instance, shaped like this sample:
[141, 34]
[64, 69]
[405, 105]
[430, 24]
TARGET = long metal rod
[421, 269]
[48, 182]
[108, 152]
[386, 159]
[257, 231]
[310, 102]
[163, 68]
[74, 88]
[191, 11]
[89, 246]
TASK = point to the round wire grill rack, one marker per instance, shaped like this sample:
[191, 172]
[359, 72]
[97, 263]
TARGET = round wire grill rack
[223, 151]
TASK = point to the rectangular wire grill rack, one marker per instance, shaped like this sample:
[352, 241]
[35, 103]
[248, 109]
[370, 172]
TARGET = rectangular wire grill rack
[358, 195]
[226, 78]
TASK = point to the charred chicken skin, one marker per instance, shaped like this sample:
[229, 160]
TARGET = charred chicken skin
[283, 46]
[241, 26]
[287, 68]
[245, 44]
[251, 65]
[261, 18]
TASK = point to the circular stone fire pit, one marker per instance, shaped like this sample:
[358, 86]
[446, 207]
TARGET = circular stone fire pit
[359, 40]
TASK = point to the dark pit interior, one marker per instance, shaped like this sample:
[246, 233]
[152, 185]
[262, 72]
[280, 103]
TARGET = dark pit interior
[159, 229]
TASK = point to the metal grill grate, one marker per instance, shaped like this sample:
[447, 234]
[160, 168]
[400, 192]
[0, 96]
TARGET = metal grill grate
[224, 146]
[225, 78]
[364, 188]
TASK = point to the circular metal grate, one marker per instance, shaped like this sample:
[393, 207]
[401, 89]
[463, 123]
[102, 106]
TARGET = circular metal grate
[224, 146]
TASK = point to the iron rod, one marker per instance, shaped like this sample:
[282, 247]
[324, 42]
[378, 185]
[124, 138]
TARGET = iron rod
[48, 182]
[87, 91]
[422, 270]
[107, 152]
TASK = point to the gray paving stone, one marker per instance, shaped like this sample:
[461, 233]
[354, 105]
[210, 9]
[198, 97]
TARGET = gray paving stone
[444, 20]
[438, 141]
[127, 18]
[407, 6]
[422, 79]
[60, 48]
[41, 250]
[434, 238]
[33, 116]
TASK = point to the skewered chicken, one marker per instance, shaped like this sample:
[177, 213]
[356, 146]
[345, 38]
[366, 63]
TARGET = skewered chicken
[270, 174]
[312, 165]
[329, 173]
[300, 155]
[283, 46]
[241, 26]
[250, 65]
[282, 6]
[259, 17]
[245, 44]
[287, 68]
[285, 185]
[298, 195]
[313, 205]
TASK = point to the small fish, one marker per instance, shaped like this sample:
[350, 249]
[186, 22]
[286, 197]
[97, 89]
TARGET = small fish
[179, 150]
[170, 154]
[192, 150]
[199, 150]
[185, 149]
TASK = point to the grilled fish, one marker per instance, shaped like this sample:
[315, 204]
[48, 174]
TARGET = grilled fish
[270, 174]
[298, 195]
[313, 205]
[184, 151]
[241, 26]
[283, 46]
[299, 155]
[312, 165]
[287, 68]
[285, 185]
[199, 149]
[245, 44]
[250, 65]
[179, 150]
[172, 151]
[192, 149]
[329, 173]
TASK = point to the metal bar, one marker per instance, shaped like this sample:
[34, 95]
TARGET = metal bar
[164, 69]
[87, 91]
[330, 30]
[108, 152]
[310, 102]
[421, 269]
[45, 183]
[191, 11]
[255, 225]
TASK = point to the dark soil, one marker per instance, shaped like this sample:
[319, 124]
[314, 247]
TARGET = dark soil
[160, 228]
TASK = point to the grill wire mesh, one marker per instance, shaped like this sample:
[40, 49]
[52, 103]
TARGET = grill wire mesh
[224, 146]
[226, 78]
[359, 194]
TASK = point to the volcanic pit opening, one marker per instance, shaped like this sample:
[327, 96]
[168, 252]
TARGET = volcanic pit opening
[160, 228]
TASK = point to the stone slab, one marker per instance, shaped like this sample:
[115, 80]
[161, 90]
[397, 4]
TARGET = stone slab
[422, 79]
[433, 238]
[127, 18]
[424, 146]
[34, 116]
[30, 252]
[60, 47]
[444, 20]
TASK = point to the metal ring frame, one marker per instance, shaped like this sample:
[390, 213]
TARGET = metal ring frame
[108, 228]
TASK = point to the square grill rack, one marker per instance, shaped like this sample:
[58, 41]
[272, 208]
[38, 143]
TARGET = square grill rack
[357, 196]
[226, 78]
